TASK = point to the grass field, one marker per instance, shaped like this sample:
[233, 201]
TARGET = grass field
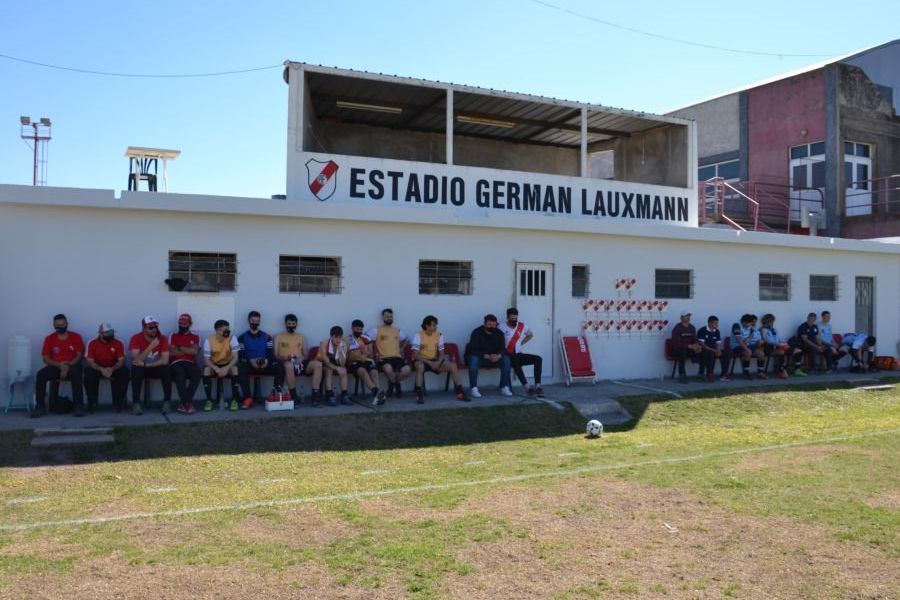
[790, 494]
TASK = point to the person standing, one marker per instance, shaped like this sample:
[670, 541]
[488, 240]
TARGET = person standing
[62, 352]
[516, 335]
[184, 348]
[106, 359]
[684, 343]
[487, 348]
[389, 345]
[149, 359]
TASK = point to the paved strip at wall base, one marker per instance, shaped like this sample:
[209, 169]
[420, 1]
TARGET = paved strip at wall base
[434, 486]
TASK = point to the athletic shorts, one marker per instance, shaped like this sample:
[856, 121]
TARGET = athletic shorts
[356, 365]
[396, 363]
[429, 368]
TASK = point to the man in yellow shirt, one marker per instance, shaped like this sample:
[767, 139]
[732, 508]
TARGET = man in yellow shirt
[290, 349]
[220, 357]
[428, 354]
[389, 345]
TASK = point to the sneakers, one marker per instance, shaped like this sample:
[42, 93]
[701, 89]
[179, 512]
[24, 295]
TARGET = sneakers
[761, 375]
[207, 406]
[166, 407]
[398, 391]
[137, 409]
[780, 375]
[505, 391]
[182, 408]
[461, 395]
[725, 377]
[710, 378]
[79, 410]
[233, 406]
[539, 391]
[420, 397]
[390, 390]
[378, 398]
[475, 393]
[799, 373]
[247, 404]
[345, 399]
[38, 411]
[530, 391]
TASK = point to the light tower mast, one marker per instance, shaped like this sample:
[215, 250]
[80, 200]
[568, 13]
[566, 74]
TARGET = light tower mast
[38, 132]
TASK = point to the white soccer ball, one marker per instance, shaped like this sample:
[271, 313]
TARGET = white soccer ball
[594, 428]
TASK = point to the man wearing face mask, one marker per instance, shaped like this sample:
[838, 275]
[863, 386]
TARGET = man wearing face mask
[290, 349]
[389, 344]
[256, 357]
[362, 363]
[486, 349]
[61, 352]
[149, 360]
[106, 359]
[184, 347]
[220, 357]
[516, 334]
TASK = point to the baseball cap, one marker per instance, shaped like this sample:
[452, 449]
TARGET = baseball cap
[149, 320]
[106, 328]
[185, 318]
[685, 313]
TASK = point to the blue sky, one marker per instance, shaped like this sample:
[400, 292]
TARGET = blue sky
[232, 130]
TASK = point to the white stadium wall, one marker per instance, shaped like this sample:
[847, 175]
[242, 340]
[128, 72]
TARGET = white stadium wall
[98, 258]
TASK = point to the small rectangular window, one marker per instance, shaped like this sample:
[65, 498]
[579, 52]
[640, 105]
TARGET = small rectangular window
[774, 286]
[823, 287]
[862, 150]
[579, 281]
[729, 170]
[817, 149]
[309, 274]
[674, 283]
[202, 271]
[453, 277]
[706, 173]
[818, 174]
[800, 151]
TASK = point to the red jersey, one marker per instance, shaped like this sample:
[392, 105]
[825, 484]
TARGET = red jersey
[140, 342]
[62, 350]
[189, 339]
[105, 355]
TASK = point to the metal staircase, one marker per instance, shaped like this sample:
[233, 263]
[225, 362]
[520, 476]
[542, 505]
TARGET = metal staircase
[756, 205]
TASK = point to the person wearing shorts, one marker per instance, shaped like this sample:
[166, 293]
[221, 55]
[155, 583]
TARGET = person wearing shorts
[362, 361]
[428, 355]
[389, 345]
[335, 356]
[220, 356]
[290, 350]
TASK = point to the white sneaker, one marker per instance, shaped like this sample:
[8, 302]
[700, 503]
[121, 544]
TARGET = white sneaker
[506, 391]
[475, 393]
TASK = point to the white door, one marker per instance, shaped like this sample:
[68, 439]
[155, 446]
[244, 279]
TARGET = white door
[534, 299]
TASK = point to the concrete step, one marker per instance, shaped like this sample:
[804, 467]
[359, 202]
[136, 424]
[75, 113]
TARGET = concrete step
[58, 441]
[73, 431]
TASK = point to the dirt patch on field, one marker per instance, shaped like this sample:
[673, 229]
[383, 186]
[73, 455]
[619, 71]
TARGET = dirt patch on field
[796, 461]
[630, 540]
[886, 499]
[108, 579]
[302, 526]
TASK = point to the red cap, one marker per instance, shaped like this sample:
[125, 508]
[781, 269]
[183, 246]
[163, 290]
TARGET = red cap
[184, 317]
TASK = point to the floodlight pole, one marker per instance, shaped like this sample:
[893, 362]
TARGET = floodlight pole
[38, 139]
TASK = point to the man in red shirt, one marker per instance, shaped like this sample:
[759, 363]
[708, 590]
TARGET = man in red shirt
[62, 352]
[106, 359]
[150, 359]
[184, 347]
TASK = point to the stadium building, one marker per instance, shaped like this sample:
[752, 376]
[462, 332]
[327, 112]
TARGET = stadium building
[444, 199]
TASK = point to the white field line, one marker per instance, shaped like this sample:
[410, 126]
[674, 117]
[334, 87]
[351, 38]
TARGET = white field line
[31, 500]
[275, 480]
[565, 454]
[648, 388]
[436, 486]
[161, 490]
[474, 462]
[375, 472]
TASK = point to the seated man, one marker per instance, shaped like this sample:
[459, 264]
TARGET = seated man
[62, 352]
[149, 360]
[184, 348]
[256, 357]
[428, 354]
[290, 349]
[684, 343]
[220, 358]
[811, 340]
[710, 339]
[826, 338]
[861, 348]
[389, 346]
[334, 354]
[516, 335]
[746, 343]
[362, 361]
[106, 359]
[487, 348]
[775, 347]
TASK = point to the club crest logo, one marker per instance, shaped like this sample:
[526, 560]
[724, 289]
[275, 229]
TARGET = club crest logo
[321, 178]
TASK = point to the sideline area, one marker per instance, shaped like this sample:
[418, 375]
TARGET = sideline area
[597, 401]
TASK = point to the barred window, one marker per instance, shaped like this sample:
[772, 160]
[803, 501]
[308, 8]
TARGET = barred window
[309, 274]
[774, 286]
[202, 271]
[823, 287]
[580, 281]
[445, 277]
[674, 283]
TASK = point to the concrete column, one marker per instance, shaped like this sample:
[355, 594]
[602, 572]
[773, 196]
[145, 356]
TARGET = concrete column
[449, 134]
[834, 154]
[585, 167]
[744, 136]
